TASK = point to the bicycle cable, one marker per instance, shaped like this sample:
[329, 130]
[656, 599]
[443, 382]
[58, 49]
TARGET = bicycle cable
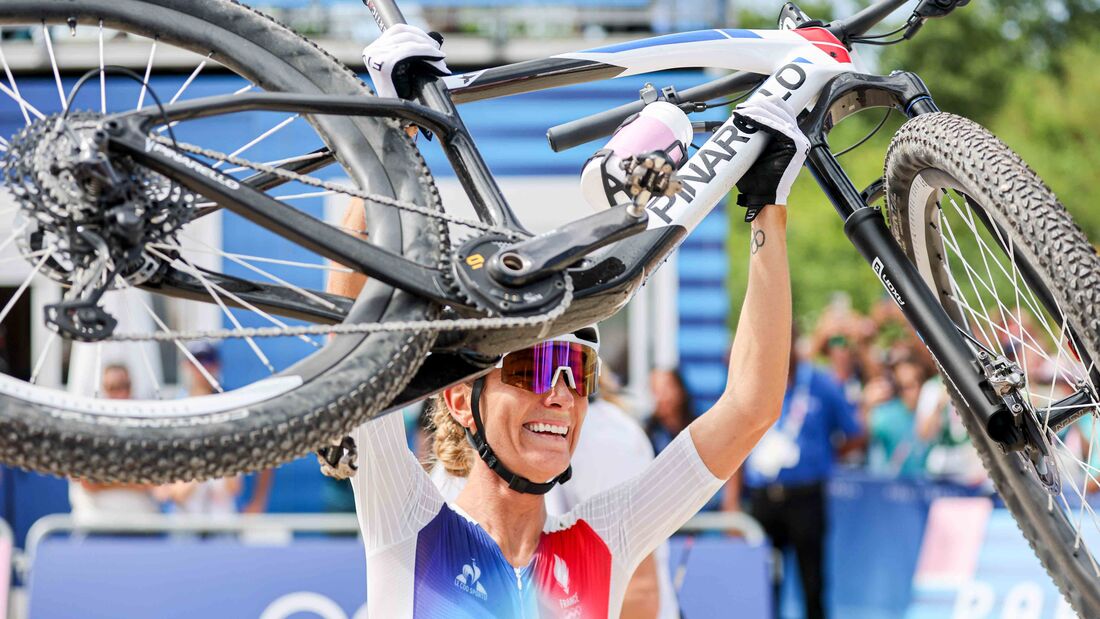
[883, 35]
[125, 72]
[868, 136]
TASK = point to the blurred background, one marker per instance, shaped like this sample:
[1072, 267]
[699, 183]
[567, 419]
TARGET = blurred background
[1023, 68]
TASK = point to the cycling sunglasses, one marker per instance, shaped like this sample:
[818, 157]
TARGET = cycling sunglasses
[536, 369]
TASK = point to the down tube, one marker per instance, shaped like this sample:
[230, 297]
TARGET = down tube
[713, 170]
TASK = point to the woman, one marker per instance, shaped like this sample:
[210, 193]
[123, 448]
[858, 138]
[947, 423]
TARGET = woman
[494, 552]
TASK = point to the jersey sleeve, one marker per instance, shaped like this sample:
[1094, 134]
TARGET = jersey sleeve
[634, 517]
[394, 497]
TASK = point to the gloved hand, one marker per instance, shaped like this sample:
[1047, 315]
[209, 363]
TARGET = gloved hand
[401, 53]
[769, 180]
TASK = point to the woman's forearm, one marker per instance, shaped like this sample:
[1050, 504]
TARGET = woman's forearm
[760, 356]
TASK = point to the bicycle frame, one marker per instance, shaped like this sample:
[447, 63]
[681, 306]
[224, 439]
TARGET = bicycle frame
[809, 68]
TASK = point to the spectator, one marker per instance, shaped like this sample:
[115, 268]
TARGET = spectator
[672, 409]
[951, 456]
[786, 474]
[611, 449]
[92, 500]
[889, 408]
[215, 497]
[842, 338]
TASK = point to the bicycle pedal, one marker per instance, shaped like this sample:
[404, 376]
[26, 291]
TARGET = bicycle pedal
[650, 175]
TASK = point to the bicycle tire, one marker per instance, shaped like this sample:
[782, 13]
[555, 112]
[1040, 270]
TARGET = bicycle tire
[340, 386]
[1044, 235]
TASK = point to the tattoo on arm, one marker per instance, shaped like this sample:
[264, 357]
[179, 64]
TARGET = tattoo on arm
[757, 241]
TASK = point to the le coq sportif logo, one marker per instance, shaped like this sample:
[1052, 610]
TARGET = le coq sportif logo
[467, 580]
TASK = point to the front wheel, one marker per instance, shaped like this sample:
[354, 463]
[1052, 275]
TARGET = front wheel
[1022, 281]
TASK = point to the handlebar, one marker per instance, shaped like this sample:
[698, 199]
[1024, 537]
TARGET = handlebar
[602, 124]
[576, 132]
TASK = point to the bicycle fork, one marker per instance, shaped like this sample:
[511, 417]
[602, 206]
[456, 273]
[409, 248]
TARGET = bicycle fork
[867, 230]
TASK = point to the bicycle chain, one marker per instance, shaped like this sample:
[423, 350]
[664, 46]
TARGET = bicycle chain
[456, 324]
[315, 182]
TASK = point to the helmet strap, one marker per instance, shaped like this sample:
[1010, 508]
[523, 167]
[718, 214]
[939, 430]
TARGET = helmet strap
[481, 444]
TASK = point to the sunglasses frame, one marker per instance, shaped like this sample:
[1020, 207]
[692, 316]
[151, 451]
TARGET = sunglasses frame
[571, 381]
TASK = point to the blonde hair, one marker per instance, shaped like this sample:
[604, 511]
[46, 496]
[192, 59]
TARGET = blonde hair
[449, 445]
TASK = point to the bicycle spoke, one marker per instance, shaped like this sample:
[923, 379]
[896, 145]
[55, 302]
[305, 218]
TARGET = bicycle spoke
[310, 194]
[33, 254]
[945, 225]
[179, 345]
[992, 281]
[258, 139]
[217, 252]
[278, 162]
[983, 316]
[190, 79]
[98, 374]
[1081, 493]
[41, 361]
[148, 71]
[992, 324]
[225, 310]
[23, 286]
[172, 124]
[986, 251]
[266, 316]
[11, 239]
[102, 74]
[53, 64]
[128, 314]
[971, 272]
[24, 106]
[278, 280]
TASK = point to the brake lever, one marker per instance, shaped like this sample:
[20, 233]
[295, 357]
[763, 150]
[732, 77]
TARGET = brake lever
[930, 9]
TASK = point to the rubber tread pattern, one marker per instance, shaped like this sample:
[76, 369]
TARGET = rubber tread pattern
[1042, 231]
[292, 425]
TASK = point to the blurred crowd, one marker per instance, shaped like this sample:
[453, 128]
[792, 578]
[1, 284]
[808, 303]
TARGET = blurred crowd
[200, 371]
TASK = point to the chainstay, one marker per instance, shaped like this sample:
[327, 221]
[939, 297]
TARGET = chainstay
[453, 324]
[315, 182]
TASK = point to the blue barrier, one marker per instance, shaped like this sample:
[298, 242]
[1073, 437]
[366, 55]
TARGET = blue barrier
[875, 531]
[169, 578]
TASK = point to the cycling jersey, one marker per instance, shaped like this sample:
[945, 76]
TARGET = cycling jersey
[426, 558]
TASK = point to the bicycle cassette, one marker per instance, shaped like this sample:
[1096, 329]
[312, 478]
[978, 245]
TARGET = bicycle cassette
[474, 282]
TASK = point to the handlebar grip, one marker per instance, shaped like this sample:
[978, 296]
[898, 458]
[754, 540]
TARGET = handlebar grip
[596, 126]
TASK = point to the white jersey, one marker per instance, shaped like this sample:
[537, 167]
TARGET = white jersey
[426, 558]
[612, 449]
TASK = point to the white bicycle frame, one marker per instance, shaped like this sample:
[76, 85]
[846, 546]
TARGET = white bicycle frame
[799, 63]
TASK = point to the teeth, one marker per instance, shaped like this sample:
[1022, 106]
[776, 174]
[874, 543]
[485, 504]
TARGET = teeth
[545, 427]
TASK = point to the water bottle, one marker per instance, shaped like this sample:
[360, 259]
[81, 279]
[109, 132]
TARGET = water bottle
[660, 126]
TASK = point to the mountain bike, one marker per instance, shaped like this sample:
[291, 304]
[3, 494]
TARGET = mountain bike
[976, 251]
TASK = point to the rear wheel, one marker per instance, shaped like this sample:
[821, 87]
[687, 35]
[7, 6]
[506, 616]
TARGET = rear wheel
[279, 397]
[1022, 281]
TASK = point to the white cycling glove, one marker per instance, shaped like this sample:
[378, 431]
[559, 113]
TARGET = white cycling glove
[400, 53]
[769, 180]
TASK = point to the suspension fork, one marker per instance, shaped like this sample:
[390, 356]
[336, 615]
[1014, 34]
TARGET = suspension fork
[867, 230]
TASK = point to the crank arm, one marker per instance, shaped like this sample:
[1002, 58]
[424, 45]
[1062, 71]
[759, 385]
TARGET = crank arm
[543, 255]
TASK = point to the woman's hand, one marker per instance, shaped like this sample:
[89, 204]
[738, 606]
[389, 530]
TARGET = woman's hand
[401, 53]
[770, 179]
